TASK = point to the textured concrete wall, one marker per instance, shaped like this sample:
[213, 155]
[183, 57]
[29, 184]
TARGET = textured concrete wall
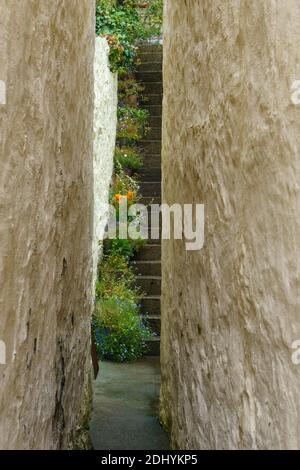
[105, 125]
[231, 140]
[46, 216]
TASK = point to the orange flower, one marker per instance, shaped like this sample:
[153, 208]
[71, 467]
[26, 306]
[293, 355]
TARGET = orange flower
[130, 194]
[119, 196]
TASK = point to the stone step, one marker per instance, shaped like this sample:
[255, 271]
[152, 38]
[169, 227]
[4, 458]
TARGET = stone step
[150, 66]
[153, 322]
[154, 242]
[153, 346]
[154, 110]
[151, 160]
[150, 48]
[154, 88]
[150, 285]
[148, 189]
[151, 147]
[150, 173]
[152, 99]
[146, 77]
[150, 305]
[151, 57]
[154, 133]
[149, 252]
[155, 121]
[148, 268]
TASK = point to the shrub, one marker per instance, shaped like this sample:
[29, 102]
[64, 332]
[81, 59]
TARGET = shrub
[123, 185]
[119, 331]
[116, 278]
[132, 123]
[129, 90]
[127, 159]
[152, 17]
[118, 328]
[125, 247]
[123, 23]
[122, 27]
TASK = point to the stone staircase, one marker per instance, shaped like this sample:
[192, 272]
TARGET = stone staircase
[148, 260]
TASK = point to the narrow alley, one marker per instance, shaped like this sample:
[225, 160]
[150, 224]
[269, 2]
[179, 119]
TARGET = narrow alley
[126, 405]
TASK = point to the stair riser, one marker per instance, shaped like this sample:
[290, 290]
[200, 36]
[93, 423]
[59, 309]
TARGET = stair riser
[155, 88]
[150, 306]
[154, 324]
[150, 189]
[155, 121]
[151, 161]
[153, 348]
[154, 133]
[151, 58]
[154, 110]
[150, 48]
[149, 77]
[152, 99]
[150, 67]
[152, 147]
[150, 286]
[149, 253]
[150, 174]
[148, 269]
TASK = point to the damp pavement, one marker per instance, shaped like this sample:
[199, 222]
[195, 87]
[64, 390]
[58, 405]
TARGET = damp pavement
[126, 404]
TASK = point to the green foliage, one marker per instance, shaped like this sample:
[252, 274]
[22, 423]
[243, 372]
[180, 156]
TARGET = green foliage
[119, 331]
[123, 185]
[118, 328]
[116, 278]
[122, 247]
[127, 158]
[129, 90]
[122, 27]
[152, 16]
[123, 23]
[132, 123]
[126, 247]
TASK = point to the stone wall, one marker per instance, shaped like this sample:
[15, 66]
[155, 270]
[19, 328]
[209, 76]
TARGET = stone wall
[231, 140]
[46, 219]
[105, 125]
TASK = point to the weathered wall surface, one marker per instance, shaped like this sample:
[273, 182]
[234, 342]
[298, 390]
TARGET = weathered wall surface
[46, 215]
[105, 125]
[231, 140]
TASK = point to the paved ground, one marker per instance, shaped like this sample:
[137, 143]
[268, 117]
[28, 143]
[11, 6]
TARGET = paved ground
[126, 398]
